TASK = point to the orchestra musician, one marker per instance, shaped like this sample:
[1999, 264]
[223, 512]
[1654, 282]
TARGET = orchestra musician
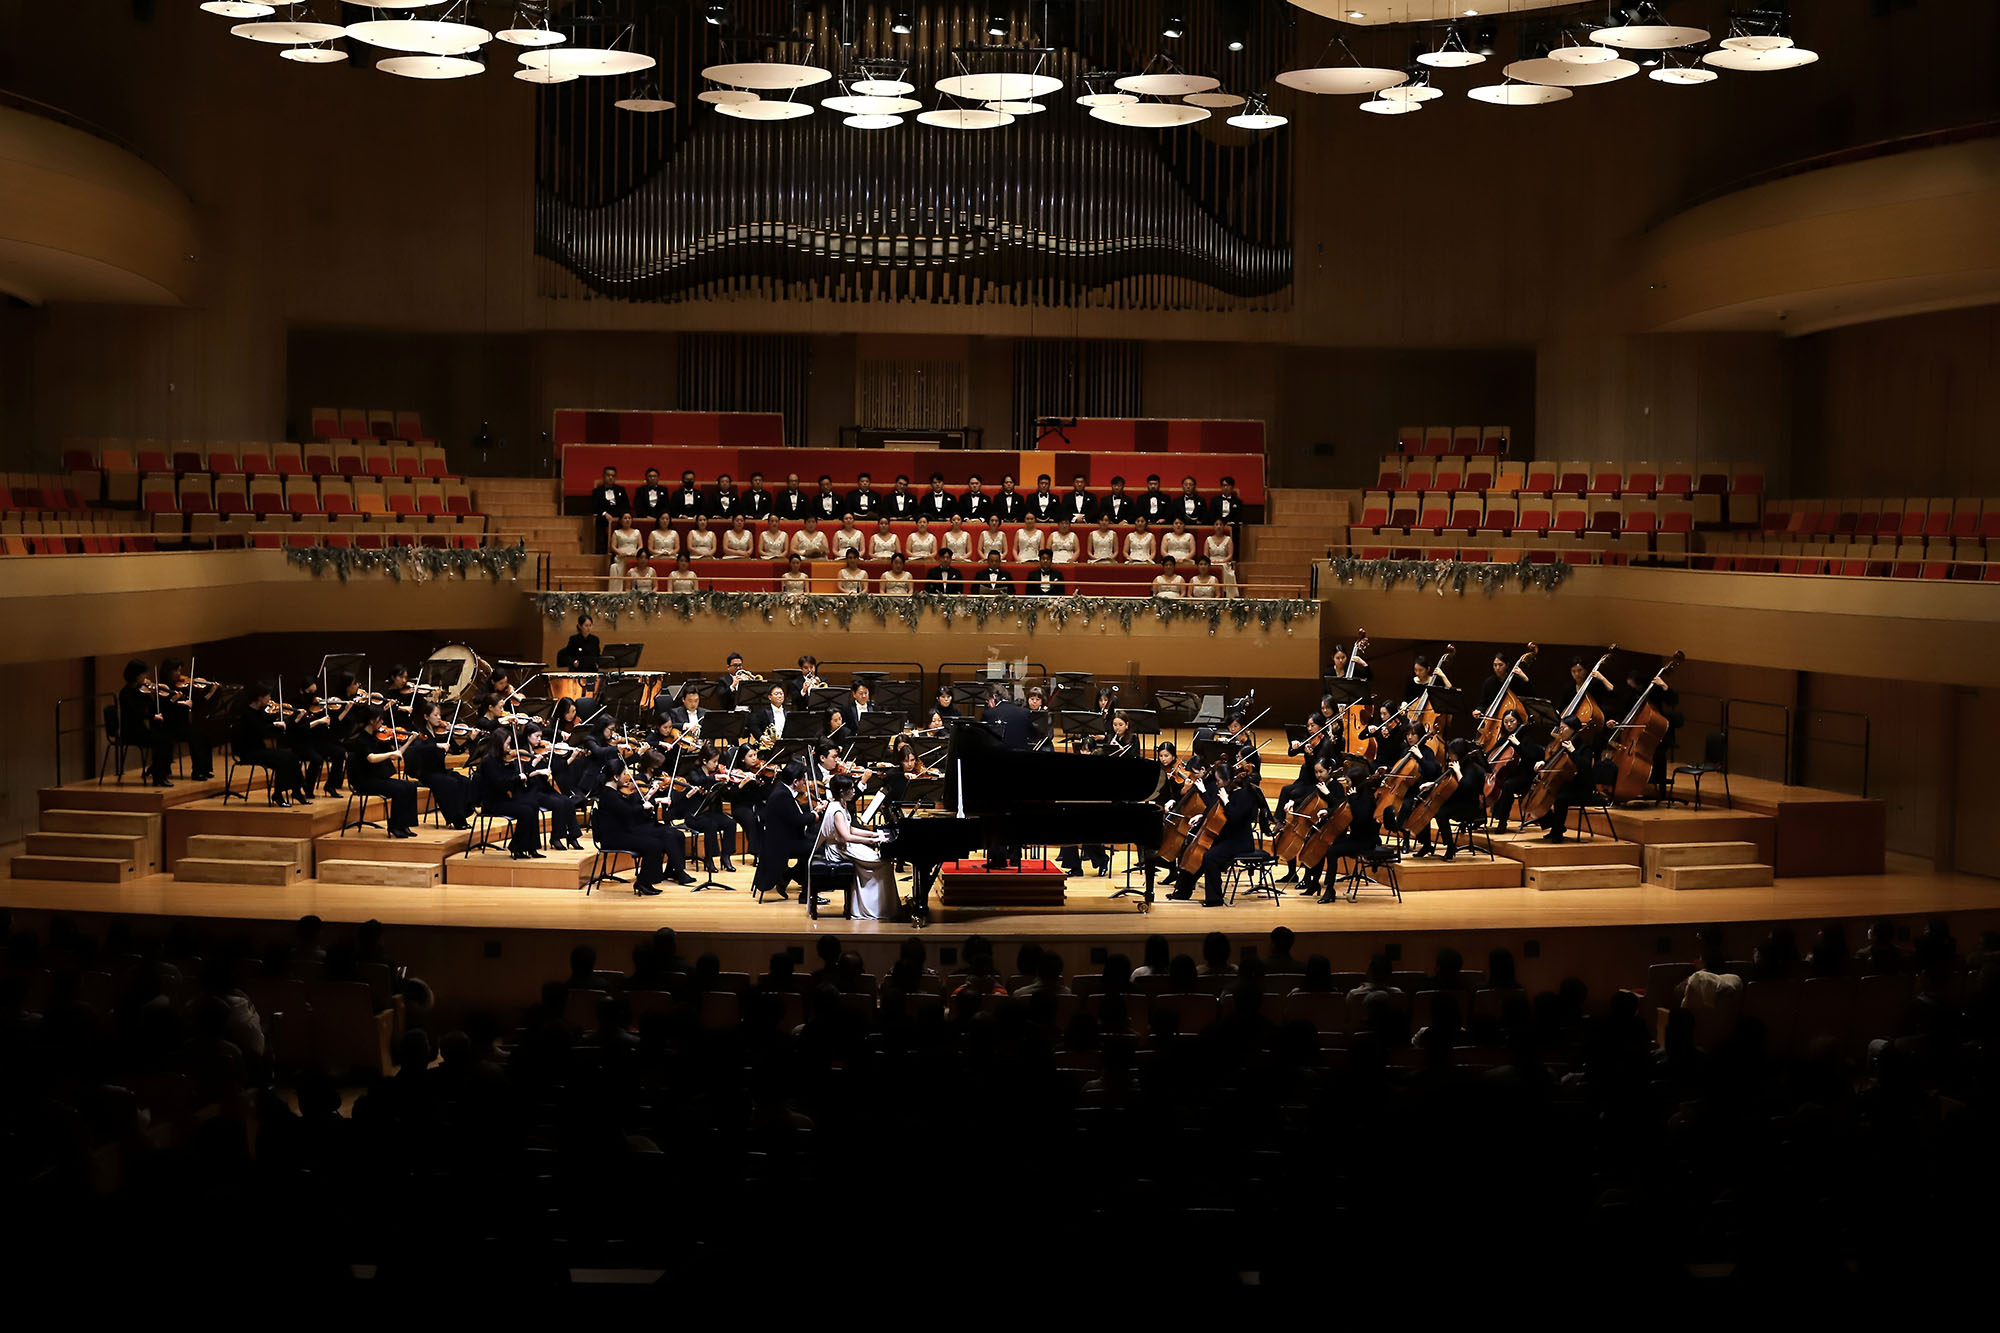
[1464, 807]
[142, 722]
[769, 717]
[257, 736]
[699, 808]
[1664, 699]
[582, 650]
[311, 737]
[178, 714]
[1583, 781]
[842, 839]
[1423, 676]
[373, 752]
[788, 824]
[1348, 667]
[424, 764]
[1429, 770]
[623, 822]
[500, 781]
[1243, 805]
[1362, 836]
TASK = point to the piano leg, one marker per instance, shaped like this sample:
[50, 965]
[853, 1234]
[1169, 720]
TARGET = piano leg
[921, 876]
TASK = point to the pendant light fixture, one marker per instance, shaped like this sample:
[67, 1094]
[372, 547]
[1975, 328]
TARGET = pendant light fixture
[1644, 28]
[1451, 53]
[1349, 79]
[1257, 116]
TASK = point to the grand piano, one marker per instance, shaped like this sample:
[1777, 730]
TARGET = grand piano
[997, 797]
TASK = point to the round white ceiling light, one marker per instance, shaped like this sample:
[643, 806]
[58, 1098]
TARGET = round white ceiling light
[1347, 80]
[998, 87]
[882, 87]
[875, 122]
[1168, 85]
[313, 55]
[237, 9]
[1683, 76]
[724, 96]
[1567, 74]
[1216, 101]
[1381, 107]
[1583, 55]
[1106, 99]
[1263, 120]
[420, 36]
[1751, 62]
[1016, 108]
[871, 106]
[543, 76]
[1518, 94]
[1150, 115]
[288, 34]
[974, 119]
[588, 61]
[762, 110]
[650, 105]
[430, 66]
[1649, 36]
[766, 74]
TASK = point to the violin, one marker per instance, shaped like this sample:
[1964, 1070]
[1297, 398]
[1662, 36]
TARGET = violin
[1503, 699]
[1639, 736]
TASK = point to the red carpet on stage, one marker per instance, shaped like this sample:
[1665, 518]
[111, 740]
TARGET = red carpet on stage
[1027, 867]
[969, 884]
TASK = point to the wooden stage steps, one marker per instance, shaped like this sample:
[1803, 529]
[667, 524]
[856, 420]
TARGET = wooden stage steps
[1577, 863]
[558, 869]
[1818, 832]
[371, 856]
[103, 833]
[1706, 865]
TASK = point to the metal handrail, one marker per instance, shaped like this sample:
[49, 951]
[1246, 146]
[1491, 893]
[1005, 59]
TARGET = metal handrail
[1730, 728]
[1864, 744]
[88, 728]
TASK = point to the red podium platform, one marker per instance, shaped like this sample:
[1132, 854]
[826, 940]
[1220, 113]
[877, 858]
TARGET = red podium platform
[969, 884]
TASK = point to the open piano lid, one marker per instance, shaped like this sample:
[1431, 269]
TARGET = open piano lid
[999, 781]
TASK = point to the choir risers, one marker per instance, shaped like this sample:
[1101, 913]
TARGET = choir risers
[132, 797]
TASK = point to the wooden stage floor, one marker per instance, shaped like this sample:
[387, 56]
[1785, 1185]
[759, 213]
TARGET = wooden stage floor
[1908, 888]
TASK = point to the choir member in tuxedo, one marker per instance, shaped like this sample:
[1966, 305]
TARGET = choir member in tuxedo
[992, 579]
[1045, 580]
[790, 504]
[1080, 505]
[650, 499]
[608, 503]
[1227, 507]
[257, 736]
[939, 505]
[1118, 507]
[1156, 505]
[756, 500]
[863, 501]
[1009, 504]
[827, 503]
[1043, 506]
[900, 503]
[975, 504]
[944, 578]
[1189, 506]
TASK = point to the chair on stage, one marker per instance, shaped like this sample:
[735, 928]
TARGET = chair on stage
[1251, 872]
[1714, 759]
[1377, 868]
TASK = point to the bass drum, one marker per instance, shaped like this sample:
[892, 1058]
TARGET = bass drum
[458, 672]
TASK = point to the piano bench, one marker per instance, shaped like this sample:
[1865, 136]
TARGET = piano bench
[829, 877]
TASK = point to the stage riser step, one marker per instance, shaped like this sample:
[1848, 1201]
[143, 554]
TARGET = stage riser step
[201, 869]
[431, 846]
[106, 846]
[86, 869]
[1532, 851]
[395, 874]
[495, 869]
[101, 821]
[1583, 877]
[1661, 855]
[132, 797]
[1716, 877]
[243, 847]
[1463, 871]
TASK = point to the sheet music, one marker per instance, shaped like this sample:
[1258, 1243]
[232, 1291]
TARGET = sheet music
[874, 805]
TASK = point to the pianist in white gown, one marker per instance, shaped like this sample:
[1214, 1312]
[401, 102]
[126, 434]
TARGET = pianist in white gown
[842, 839]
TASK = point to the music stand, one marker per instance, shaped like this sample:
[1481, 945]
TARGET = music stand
[1540, 713]
[354, 664]
[971, 693]
[1345, 693]
[1043, 724]
[905, 695]
[753, 692]
[1077, 724]
[621, 699]
[1178, 707]
[825, 697]
[871, 678]
[1449, 702]
[619, 656]
[880, 723]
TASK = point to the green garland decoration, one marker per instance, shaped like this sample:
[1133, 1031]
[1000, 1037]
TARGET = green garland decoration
[1458, 575]
[418, 562]
[840, 609]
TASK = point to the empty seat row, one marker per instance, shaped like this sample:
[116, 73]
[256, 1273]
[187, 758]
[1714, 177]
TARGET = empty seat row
[1571, 548]
[1418, 440]
[354, 423]
[1942, 516]
[199, 493]
[367, 531]
[39, 492]
[81, 532]
[345, 457]
[1543, 476]
[1465, 511]
[1965, 559]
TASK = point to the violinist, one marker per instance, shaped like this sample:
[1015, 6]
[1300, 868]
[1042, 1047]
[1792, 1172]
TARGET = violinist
[582, 650]
[946, 706]
[1363, 834]
[180, 701]
[623, 823]
[142, 722]
[311, 736]
[1463, 761]
[373, 751]
[424, 763]
[788, 823]
[1244, 809]
[547, 791]
[1577, 790]
[500, 781]
[1168, 789]
[1517, 775]
[346, 697]
[700, 809]
[257, 737]
[399, 692]
[1322, 735]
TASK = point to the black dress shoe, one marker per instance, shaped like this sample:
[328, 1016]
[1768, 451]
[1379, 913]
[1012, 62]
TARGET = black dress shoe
[161, 782]
[402, 833]
[682, 877]
[727, 868]
[520, 856]
[1289, 877]
[645, 891]
[204, 777]
[284, 801]
[538, 856]
[1181, 897]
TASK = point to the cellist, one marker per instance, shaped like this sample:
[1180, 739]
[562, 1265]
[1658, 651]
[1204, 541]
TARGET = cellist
[1429, 770]
[1362, 835]
[1582, 781]
[1318, 779]
[1242, 806]
[1464, 762]
[1511, 772]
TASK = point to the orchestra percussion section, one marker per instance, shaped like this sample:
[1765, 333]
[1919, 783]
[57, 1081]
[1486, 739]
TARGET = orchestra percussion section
[1116, 596]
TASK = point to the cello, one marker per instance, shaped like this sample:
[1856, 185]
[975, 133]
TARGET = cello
[1330, 827]
[1503, 699]
[1216, 814]
[1433, 800]
[1186, 816]
[1300, 825]
[1402, 776]
[1639, 736]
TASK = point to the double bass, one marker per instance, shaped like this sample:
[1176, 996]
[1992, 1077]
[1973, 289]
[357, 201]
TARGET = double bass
[1354, 717]
[1503, 699]
[1424, 713]
[1638, 737]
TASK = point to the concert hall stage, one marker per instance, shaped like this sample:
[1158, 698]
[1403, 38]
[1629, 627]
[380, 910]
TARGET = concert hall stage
[494, 927]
